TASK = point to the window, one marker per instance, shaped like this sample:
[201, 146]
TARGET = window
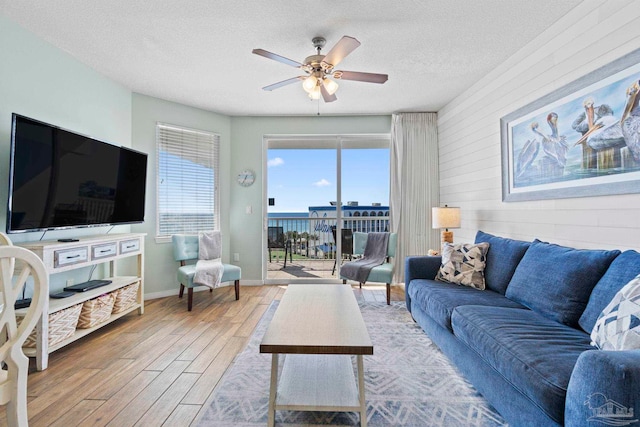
[187, 180]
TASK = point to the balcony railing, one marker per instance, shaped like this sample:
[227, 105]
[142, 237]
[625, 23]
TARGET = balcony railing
[313, 238]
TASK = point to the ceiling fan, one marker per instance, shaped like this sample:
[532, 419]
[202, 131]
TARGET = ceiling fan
[320, 69]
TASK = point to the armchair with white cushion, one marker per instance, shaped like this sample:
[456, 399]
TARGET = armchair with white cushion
[186, 248]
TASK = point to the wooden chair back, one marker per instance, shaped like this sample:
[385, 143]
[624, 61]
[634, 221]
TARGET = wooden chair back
[17, 266]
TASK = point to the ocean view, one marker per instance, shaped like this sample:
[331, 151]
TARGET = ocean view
[290, 224]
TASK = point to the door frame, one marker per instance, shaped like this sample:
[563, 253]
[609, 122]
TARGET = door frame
[310, 141]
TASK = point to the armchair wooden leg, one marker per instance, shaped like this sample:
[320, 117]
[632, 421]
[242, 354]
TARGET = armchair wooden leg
[360, 285]
[388, 293]
[237, 286]
[344, 281]
[189, 299]
[181, 291]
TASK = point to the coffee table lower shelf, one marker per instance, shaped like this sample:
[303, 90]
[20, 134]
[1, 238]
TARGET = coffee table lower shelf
[317, 382]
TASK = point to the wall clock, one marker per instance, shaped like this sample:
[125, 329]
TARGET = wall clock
[246, 177]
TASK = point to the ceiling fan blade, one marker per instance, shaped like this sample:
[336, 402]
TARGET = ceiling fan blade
[361, 77]
[283, 83]
[278, 58]
[326, 96]
[344, 47]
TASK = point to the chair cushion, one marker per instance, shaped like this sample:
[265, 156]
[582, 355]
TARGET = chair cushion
[624, 268]
[503, 257]
[381, 274]
[618, 327]
[439, 299]
[556, 281]
[535, 354]
[463, 264]
[186, 273]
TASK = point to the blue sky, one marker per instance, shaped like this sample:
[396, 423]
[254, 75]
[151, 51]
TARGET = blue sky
[299, 178]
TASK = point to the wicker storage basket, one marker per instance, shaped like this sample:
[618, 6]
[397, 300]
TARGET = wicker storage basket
[62, 325]
[96, 311]
[125, 297]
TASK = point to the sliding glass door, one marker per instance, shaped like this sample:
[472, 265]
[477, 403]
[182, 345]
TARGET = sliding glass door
[321, 189]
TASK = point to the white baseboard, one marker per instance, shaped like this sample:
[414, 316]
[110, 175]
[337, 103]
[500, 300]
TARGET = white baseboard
[251, 283]
[174, 292]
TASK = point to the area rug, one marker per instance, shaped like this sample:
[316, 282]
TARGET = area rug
[408, 382]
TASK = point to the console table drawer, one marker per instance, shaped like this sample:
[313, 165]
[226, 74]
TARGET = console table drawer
[70, 256]
[129, 246]
[104, 251]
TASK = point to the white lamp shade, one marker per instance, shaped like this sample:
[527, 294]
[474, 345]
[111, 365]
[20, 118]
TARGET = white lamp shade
[309, 83]
[445, 217]
[330, 85]
[315, 93]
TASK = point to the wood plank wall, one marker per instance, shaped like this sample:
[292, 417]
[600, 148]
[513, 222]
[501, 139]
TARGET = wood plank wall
[589, 37]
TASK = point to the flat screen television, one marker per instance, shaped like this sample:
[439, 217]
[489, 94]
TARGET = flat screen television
[60, 179]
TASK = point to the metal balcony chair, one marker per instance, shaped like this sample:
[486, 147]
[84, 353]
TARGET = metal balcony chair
[186, 248]
[13, 379]
[382, 273]
[347, 245]
[276, 239]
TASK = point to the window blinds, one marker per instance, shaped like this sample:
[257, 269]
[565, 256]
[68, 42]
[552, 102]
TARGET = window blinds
[187, 180]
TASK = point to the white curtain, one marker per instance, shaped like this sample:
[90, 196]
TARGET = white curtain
[414, 185]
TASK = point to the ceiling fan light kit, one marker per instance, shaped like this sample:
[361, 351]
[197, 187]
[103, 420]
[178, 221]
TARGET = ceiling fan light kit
[319, 68]
[330, 85]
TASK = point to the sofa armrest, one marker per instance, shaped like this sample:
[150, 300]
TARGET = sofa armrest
[604, 378]
[419, 267]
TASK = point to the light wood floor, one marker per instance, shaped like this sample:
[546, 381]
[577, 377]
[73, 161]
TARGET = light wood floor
[158, 369]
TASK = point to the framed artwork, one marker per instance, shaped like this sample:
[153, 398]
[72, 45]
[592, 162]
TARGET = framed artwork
[580, 140]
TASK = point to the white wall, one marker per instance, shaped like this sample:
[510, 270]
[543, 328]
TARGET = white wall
[247, 152]
[469, 136]
[40, 81]
[43, 82]
[160, 267]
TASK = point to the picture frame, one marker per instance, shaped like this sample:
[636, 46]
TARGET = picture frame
[580, 140]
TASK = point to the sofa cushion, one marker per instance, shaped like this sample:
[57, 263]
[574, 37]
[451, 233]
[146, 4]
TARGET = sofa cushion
[463, 264]
[556, 281]
[438, 299]
[503, 257]
[624, 268]
[535, 354]
[618, 327]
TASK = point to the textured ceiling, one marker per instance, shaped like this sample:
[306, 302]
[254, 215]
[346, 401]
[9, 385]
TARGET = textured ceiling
[199, 52]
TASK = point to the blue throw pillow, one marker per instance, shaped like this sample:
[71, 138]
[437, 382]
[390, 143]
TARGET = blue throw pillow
[620, 272]
[556, 281]
[502, 259]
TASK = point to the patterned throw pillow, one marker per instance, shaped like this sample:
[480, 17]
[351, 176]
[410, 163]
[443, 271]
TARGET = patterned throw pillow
[463, 264]
[618, 326]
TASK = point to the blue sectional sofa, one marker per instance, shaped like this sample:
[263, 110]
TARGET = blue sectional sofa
[524, 341]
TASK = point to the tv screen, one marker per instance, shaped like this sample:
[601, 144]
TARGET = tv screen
[60, 179]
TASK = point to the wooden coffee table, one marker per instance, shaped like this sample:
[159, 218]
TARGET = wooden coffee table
[318, 327]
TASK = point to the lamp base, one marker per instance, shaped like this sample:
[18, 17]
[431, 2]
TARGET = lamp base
[447, 237]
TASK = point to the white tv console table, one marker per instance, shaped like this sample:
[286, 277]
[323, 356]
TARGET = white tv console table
[87, 251]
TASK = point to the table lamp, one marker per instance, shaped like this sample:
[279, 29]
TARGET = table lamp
[446, 218]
